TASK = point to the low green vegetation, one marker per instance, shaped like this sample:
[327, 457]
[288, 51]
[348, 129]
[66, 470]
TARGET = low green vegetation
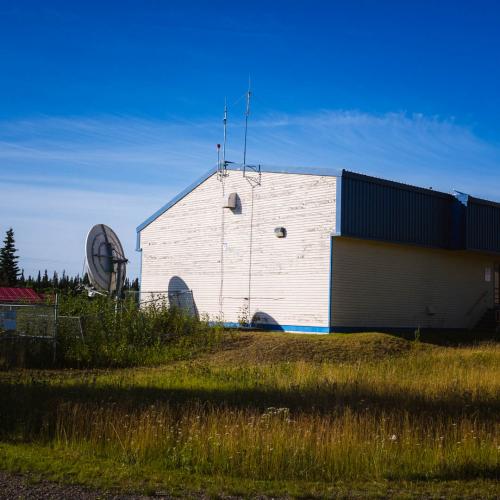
[129, 335]
[276, 414]
[97, 333]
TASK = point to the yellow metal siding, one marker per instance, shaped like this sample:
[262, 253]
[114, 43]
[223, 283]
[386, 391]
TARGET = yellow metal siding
[398, 286]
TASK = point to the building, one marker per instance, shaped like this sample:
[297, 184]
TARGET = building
[9, 298]
[17, 295]
[319, 251]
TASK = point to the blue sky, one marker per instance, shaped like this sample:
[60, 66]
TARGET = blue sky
[110, 108]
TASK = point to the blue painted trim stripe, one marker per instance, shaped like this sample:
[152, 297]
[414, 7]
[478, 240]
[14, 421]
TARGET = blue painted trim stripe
[334, 329]
[384, 329]
[235, 167]
[295, 328]
[280, 328]
[331, 329]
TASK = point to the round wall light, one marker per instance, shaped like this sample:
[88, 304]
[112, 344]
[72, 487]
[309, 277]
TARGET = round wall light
[280, 232]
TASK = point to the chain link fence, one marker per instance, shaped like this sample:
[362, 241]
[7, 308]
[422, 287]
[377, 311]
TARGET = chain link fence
[31, 330]
[28, 320]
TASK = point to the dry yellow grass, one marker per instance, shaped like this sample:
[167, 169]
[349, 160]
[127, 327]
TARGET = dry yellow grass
[269, 407]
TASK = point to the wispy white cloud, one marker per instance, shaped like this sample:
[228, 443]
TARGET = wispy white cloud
[58, 176]
[51, 223]
[415, 149]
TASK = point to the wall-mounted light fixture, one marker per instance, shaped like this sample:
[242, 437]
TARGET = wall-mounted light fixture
[280, 232]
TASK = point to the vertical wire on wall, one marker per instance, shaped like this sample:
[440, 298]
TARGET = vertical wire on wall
[221, 290]
[250, 256]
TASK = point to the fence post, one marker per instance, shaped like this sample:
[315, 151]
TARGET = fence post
[56, 317]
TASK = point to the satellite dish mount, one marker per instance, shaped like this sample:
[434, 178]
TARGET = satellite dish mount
[106, 262]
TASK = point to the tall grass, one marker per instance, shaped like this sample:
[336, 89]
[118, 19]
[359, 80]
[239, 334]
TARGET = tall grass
[276, 444]
[427, 414]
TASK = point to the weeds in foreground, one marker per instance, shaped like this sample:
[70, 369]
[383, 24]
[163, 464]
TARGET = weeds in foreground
[423, 415]
[276, 444]
[99, 333]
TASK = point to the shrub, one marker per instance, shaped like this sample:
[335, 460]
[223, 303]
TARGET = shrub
[100, 332]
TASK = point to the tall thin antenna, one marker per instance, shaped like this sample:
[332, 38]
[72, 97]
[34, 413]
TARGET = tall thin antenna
[225, 135]
[249, 94]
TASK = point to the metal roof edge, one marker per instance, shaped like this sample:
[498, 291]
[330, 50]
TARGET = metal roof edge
[171, 203]
[483, 201]
[273, 169]
[395, 184]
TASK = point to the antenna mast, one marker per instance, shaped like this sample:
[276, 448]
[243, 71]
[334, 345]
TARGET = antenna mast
[251, 172]
[222, 166]
[249, 94]
[225, 138]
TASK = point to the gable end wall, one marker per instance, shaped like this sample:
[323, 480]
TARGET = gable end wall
[232, 260]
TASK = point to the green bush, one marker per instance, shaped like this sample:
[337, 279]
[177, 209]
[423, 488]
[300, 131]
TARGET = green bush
[111, 335]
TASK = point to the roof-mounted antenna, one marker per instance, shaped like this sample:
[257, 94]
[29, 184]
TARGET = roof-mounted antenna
[222, 166]
[251, 172]
[247, 112]
[225, 134]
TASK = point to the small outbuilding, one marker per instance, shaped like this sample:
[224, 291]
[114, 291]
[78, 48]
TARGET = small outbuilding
[17, 295]
[306, 250]
[9, 298]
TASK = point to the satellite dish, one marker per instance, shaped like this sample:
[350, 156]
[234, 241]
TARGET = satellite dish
[106, 262]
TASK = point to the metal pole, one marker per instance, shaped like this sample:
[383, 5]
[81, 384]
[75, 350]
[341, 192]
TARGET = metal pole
[225, 138]
[56, 318]
[249, 93]
[218, 160]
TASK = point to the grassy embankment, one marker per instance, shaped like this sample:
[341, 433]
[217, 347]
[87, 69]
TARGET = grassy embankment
[369, 414]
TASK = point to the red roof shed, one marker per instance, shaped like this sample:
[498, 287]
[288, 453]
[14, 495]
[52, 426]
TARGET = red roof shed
[19, 295]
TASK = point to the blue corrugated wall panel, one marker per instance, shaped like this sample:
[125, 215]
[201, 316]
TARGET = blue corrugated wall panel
[483, 225]
[389, 211]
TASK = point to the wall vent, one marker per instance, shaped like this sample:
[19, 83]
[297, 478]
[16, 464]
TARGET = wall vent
[231, 201]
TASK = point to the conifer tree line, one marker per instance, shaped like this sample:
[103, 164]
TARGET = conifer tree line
[12, 276]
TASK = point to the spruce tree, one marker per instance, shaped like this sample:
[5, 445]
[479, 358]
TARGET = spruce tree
[135, 285]
[9, 270]
[63, 282]
[38, 285]
[55, 280]
[45, 280]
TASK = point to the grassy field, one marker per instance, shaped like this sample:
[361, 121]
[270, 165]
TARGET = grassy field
[274, 414]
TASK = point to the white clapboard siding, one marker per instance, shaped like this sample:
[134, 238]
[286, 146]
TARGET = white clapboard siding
[286, 280]
[389, 285]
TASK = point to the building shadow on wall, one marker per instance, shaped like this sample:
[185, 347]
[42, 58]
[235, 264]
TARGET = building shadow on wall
[264, 321]
[181, 296]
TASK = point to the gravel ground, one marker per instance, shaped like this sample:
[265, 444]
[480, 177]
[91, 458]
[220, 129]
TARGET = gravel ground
[18, 486]
[26, 487]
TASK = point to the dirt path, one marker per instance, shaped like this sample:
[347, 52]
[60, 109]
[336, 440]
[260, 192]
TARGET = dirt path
[19, 486]
[25, 487]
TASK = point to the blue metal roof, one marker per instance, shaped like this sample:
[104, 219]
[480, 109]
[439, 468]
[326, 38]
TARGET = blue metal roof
[377, 209]
[482, 225]
[236, 167]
